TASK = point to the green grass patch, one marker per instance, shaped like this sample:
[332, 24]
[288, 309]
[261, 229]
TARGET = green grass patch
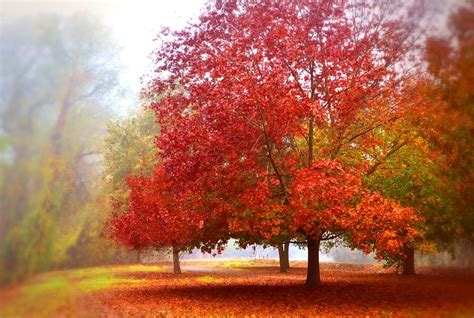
[106, 282]
[209, 279]
[41, 298]
[45, 294]
[236, 264]
[49, 286]
[112, 270]
[88, 272]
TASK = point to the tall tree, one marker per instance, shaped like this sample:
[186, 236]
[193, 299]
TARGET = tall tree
[448, 121]
[56, 75]
[267, 100]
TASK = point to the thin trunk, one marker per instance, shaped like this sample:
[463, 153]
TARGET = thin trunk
[284, 257]
[287, 254]
[176, 266]
[139, 257]
[118, 255]
[312, 277]
[409, 262]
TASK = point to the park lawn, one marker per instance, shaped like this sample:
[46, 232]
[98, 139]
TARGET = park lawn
[51, 293]
[216, 288]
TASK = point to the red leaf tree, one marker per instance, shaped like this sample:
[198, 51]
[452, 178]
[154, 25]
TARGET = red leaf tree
[270, 106]
[162, 215]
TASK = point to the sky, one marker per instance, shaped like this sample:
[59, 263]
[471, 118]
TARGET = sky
[134, 23]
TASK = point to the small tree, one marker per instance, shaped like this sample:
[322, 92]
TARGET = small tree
[129, 149]
[159, 216]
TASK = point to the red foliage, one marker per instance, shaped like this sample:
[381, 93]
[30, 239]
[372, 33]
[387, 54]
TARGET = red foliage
[384, 226]
[160, 216]
[327, 200]
[323, 197]
[269, 107]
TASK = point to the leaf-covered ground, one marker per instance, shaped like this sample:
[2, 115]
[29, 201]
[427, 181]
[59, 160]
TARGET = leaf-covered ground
[235, 289]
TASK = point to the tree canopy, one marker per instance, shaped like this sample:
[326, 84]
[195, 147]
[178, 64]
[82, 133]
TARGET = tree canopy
[269, 130]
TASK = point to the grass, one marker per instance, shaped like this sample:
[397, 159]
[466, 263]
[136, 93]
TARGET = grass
[49, 292]
[47, 286]
[209, 279]
[105, 282]
[236, 264]
[104, 271]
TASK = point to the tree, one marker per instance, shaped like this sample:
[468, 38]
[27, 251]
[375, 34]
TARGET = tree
[432, 173]
[447, 122]
[256, 115]
[129, 149]
[158, 216]
[412, 176]
[56, 75]
[147, 213]
[130, 159]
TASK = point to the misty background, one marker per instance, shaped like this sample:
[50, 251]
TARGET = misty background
[72, 126]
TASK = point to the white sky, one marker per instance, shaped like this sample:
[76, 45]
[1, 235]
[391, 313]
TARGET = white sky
[135, 23]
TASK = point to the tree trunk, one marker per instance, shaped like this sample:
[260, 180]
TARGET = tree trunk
[139, 257]
[312, 275]
[409, 262]
[176, 266]
[287, 255]
[283, 253]
[118, 255]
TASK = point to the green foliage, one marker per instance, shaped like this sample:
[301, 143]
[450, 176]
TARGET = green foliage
[412, 176]
[53, 107]
[129, 149]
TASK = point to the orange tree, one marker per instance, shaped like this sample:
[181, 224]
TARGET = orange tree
[269, 108]
[413, 177]
[447, 123]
